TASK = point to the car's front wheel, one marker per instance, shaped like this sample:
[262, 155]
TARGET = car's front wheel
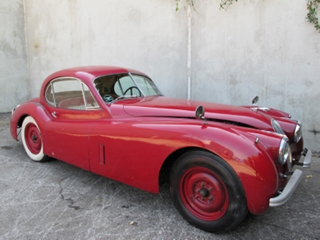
[207, 192]
[32, 139]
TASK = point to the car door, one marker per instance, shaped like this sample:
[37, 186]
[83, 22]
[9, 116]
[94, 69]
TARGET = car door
[74, 111]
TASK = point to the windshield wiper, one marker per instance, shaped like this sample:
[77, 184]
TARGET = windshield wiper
[124, 97]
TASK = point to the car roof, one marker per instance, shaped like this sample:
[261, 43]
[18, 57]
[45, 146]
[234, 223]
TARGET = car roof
[91, 72]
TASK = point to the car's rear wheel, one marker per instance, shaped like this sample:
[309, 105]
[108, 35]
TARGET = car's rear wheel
[207, 192]
[32, 140]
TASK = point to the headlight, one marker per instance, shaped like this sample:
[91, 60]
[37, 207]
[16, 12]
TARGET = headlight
[276, 126]
[297, 133]
[284, 151]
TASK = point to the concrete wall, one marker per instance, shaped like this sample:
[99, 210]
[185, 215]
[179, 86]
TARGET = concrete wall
[13, 60]
[145, 35]
[263, 48]
[256, 47]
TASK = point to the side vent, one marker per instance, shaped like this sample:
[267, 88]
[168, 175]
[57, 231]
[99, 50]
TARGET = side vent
[102, 151]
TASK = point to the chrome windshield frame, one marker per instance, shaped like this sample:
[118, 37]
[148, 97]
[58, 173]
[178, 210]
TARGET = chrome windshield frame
[144, 95]
[131, 76]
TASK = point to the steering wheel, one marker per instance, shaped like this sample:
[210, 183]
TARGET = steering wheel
[107, 98]
[131, 90]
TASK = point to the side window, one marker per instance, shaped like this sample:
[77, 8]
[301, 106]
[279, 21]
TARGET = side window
[49, 95]
[90, 101]
[70, 94]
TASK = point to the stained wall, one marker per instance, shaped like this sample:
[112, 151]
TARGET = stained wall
[256, 47]
[264, 48]
[145, 35]
[14, 80]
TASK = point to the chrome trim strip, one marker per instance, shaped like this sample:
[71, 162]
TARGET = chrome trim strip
[288, 190]
[12, 111]
[255, 109]
[83, 95]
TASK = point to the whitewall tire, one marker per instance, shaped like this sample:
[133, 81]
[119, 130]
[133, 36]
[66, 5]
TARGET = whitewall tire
[32, 139]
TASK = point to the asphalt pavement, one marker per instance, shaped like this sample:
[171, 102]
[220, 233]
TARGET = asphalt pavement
[54, 200]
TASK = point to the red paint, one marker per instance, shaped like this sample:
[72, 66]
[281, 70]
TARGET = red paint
[130, 140]
[33, 138]
[204, 194]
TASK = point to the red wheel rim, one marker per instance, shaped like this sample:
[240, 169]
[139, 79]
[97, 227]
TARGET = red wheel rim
[204, 194]
[33, 138]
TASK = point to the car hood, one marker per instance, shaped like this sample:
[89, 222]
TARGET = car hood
[172, 107]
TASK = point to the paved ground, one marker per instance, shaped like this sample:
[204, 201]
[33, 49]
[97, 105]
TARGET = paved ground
[54, 200]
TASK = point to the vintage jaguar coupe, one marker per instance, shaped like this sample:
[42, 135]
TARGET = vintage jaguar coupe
[221, 161]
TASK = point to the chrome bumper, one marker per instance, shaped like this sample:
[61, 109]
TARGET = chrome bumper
[307, 158]
[288, 190]
[293, 182]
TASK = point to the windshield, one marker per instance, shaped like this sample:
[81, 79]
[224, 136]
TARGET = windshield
[121, 86]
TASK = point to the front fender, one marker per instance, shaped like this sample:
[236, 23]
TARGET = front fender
[252, 160]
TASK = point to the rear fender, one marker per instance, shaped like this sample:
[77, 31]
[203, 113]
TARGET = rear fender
[33, 109]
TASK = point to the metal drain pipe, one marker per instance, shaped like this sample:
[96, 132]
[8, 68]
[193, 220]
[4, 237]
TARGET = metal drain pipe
[189, 13]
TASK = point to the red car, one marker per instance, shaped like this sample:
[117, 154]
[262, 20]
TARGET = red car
[221, 161]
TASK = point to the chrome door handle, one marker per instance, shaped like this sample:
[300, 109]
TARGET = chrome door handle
[54, 114]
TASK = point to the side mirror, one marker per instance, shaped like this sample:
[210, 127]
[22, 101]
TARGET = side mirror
[200, 112]
[255, 100]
